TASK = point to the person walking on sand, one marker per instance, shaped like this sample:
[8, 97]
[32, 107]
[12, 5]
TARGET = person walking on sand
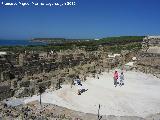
[115, 78]
[121, 79]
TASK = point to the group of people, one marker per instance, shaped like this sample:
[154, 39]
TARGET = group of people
[117, 77]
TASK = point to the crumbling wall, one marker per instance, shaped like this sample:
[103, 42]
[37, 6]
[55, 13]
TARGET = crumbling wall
[149, 58]
[26, 72]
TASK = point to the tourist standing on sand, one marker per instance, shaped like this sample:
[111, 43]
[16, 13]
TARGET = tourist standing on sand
[115, 78]
[121, 79]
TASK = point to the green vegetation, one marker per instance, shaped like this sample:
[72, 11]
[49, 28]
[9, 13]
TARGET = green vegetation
[109, 41]
[33, 48]
[130, 46]
[114, 44]
[123, 39]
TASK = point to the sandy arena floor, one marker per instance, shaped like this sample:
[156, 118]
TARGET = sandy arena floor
[140, 96]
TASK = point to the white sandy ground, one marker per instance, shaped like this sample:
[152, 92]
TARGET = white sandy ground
[140, 96]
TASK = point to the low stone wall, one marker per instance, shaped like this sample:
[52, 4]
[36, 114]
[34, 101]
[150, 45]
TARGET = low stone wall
[149, 63]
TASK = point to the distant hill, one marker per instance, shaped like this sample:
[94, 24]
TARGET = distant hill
[57, 40]
[120, 40]
[102, 41]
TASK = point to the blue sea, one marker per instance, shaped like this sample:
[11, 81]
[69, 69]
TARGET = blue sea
[19, 43]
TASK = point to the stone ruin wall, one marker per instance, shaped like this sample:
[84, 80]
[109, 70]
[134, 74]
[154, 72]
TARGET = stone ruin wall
[149, 57]
[21, 74]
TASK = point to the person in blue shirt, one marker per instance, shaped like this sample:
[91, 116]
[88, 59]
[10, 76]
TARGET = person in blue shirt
[121, 77]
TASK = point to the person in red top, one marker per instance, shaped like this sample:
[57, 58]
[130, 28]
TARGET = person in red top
[115, 78]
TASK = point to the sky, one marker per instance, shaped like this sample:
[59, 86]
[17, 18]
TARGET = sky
[85, 19]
